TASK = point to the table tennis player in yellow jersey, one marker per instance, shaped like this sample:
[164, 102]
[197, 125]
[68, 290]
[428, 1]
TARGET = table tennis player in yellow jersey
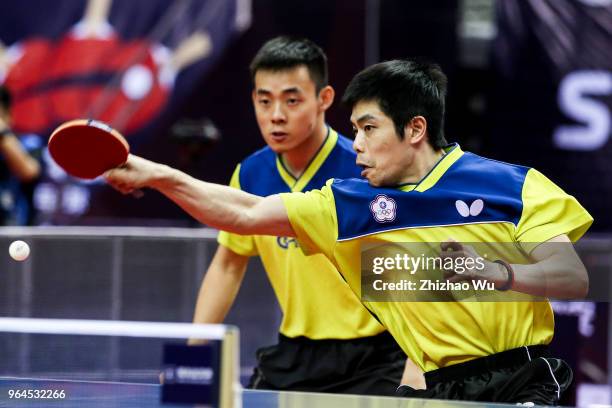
[487, 351]
[328, 342]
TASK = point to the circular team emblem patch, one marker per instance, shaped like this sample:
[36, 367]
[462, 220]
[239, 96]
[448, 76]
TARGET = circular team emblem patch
[383, 208]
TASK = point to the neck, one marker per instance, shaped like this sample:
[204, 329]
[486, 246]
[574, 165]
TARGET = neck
[298, 158]
[422, 163]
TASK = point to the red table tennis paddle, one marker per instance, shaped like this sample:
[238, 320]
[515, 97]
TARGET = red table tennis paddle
[87, 148]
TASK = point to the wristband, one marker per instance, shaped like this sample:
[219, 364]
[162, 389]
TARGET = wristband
[510, 281]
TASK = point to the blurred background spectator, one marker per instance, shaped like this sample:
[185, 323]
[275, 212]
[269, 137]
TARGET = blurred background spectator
[20, 168]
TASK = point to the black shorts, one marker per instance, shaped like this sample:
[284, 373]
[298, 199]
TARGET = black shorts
[516, 376]
[369, 365]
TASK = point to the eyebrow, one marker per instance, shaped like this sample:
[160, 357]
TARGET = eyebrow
[364, 118]
[285, 91]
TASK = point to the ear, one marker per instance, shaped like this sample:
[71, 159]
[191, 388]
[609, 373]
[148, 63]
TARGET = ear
[326, 98]
[416, 129]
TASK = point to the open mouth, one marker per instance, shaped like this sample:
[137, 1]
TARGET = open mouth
[279, 136]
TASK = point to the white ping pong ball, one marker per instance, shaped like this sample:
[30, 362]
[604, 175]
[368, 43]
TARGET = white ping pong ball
[19, 250]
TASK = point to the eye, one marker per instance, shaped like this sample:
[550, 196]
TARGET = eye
[368, 128]
[292, 101]
[354, 130]
[264, 102]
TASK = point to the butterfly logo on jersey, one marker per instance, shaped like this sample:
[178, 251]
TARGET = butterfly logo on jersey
[383, 208]
[474, 209]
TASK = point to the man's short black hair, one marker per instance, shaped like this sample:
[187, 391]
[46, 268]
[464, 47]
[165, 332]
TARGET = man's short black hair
[404, 89]
[5, 98]
[281, 53]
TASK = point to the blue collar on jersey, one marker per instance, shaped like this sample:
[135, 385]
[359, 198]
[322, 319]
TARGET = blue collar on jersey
[260, 173]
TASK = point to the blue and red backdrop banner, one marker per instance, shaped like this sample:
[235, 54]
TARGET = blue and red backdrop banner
[128, 63]
[119, 62]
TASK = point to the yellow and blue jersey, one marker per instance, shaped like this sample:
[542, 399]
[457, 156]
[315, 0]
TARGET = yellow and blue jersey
[466, 197]
[314, 298]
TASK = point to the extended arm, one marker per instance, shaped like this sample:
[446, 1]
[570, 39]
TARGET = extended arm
[219, 206]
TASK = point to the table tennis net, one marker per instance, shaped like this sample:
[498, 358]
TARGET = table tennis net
[93, 350]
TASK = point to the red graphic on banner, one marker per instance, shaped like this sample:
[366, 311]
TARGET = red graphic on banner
[90, 72]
